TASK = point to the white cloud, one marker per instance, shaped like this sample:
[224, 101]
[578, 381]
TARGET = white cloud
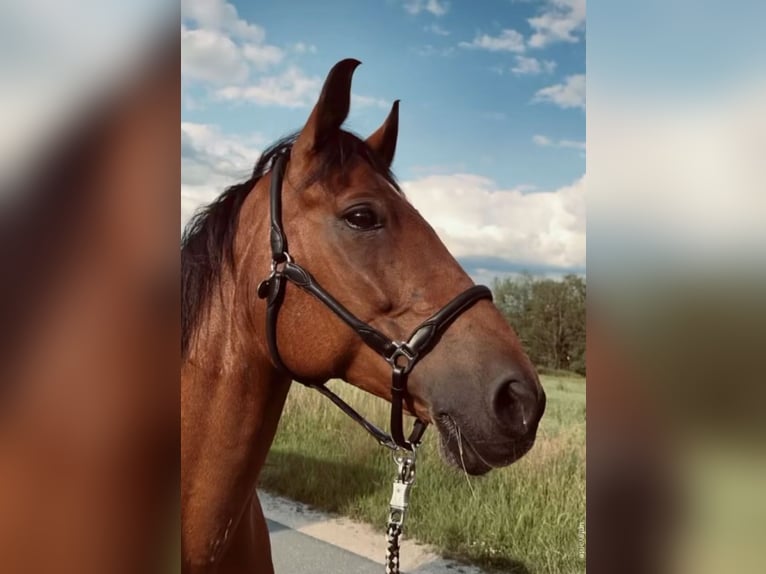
[220, 16]
[291, 89]
[303, 48]
[262, 56]
[435, 7]
[369, 101]
[559, 22]
[545, 141]
[211, 161]
[508, 41]
[569, 94]
[532, 66]
[475, 218]
[436, 29]
[209, 56]
[222, 48]
[573, 144]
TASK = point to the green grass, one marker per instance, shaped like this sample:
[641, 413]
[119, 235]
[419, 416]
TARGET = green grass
[520, 519]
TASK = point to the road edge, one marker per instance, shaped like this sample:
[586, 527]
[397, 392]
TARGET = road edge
[356, 537]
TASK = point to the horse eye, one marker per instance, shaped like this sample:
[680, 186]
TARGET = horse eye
[362, 218]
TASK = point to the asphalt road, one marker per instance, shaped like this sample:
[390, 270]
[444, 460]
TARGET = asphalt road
[304, 541]
[296, 553]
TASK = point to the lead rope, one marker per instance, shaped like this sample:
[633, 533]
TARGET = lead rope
[400, 499]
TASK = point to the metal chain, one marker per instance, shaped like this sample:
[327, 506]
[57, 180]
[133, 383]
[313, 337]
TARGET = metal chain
[392, 548]
[400, 498]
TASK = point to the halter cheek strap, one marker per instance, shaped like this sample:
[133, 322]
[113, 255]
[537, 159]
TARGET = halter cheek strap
[402, 356]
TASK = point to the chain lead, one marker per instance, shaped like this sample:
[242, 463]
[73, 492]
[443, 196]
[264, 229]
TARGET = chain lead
[400, 499]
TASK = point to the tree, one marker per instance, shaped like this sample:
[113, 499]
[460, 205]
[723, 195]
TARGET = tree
[549, 317]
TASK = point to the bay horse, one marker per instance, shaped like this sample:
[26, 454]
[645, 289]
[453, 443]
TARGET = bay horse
[361, 262]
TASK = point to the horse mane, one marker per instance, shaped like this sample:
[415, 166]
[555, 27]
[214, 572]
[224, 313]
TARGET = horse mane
[207, 243]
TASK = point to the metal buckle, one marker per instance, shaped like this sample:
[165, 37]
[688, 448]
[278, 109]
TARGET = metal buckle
[277, 268]
[278, 265]
[402, 351]
[405, 476]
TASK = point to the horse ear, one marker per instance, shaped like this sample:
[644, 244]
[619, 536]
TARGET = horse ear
[383, 141]
[331, 109]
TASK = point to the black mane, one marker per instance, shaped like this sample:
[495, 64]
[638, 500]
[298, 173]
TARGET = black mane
[207, 244]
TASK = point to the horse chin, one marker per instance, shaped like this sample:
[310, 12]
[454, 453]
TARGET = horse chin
[458, 450]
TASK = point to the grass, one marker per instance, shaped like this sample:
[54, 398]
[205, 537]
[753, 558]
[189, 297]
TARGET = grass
[522, 519]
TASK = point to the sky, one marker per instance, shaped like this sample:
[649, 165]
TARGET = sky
[491, 143]
[676, 134]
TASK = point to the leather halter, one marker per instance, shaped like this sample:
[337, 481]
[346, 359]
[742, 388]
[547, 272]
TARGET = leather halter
[401, 356]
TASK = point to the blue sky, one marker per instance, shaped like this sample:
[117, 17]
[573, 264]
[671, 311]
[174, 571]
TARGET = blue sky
[492, 92]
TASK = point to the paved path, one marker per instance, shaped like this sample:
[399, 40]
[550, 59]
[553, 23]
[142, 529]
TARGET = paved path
[296, 553]
[304, 541]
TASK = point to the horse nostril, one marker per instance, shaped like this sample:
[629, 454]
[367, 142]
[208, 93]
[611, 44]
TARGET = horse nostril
[502, 401]
[515, 405]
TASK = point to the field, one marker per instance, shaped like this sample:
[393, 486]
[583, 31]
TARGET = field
[526, 518]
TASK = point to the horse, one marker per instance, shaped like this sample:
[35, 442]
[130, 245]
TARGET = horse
[363, 270]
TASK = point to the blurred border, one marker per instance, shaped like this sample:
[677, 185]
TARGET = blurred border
[675, 122]
[89, 227]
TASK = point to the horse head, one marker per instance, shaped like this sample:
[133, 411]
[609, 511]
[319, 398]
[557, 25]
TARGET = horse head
[349, 224]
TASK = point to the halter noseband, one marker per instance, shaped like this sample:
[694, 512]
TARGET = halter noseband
[400, 355]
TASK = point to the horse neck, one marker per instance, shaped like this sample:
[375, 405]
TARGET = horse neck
[229, 347]
[228, 375]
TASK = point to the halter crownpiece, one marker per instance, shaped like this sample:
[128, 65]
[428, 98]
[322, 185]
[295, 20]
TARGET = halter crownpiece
[402, 356]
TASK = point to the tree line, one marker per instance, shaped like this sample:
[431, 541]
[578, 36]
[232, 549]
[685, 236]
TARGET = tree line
[549, 317]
